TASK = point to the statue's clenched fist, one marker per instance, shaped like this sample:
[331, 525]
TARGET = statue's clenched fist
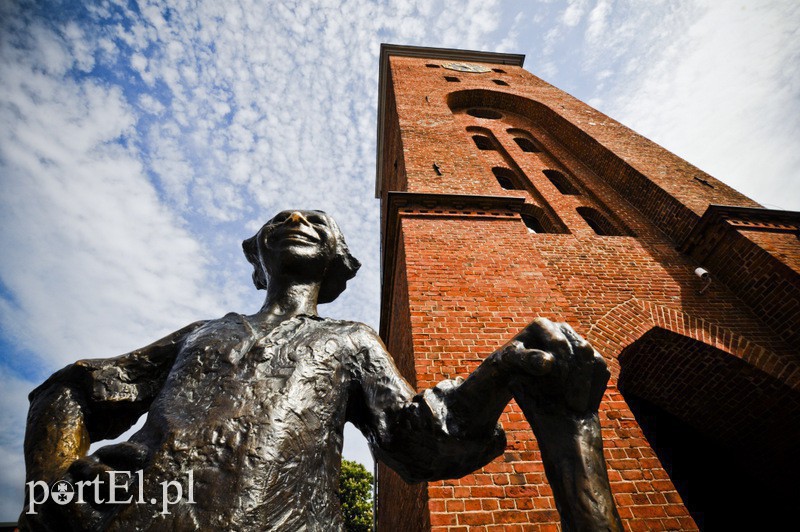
[555, 368]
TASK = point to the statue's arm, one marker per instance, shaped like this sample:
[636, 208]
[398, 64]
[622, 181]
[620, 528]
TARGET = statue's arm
[447, 431]
[558, 380]
[92, 400]
[561, 405]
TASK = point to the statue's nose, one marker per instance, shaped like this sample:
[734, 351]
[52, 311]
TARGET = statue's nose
[297, 217]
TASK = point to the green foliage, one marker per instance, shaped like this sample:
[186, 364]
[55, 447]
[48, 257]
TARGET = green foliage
[355, 494]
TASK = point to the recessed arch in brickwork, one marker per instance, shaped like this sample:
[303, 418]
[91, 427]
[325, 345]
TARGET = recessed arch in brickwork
[626, 323]
[600, 223]
[561, 182]
[483, 138]
[671, 215]
[725, 431]
[741, 397]
[533, 215]
[509, 131]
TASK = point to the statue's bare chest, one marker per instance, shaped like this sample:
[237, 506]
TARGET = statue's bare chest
[231, 369]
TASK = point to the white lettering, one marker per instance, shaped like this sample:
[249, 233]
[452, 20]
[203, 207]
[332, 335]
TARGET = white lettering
[165, 502]
[190, 499]
[113, 486]
[31, 494]
[79, 488]
[97, 486]
[140, 474]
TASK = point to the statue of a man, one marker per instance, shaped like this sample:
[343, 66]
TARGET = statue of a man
[247, 413]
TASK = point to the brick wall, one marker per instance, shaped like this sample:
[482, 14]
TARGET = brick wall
[462, 274]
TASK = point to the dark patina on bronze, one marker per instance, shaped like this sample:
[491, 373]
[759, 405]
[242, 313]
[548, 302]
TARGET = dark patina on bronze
[252, 409]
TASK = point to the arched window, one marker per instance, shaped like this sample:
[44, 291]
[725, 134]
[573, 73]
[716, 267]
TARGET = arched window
[507, 178]
[500, 82]
[490, 114]
[537, 220]
[483, 142]
[598, 222]
[526, 145]
[523, 140]
[533, 223]
[561, 182]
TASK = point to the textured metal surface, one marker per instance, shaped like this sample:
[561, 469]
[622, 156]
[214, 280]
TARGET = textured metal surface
[248, 411]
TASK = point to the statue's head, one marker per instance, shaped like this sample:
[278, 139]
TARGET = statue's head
[304, 243]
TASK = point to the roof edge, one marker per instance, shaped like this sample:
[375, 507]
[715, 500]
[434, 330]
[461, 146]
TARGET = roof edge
[388, 50]
[399, 50]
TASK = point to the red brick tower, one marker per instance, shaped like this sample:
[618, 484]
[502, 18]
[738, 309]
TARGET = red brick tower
[504, 198]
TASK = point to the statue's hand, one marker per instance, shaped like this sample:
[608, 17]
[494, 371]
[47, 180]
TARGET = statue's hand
[125, 456]
[556, 369]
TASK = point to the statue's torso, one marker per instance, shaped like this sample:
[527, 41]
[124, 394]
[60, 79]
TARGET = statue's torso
[257, 417]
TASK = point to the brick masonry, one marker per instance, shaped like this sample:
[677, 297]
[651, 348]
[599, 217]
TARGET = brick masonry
[462, 274]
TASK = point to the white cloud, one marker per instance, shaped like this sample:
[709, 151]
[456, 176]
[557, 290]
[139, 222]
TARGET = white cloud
[597, 20]
[723, 91]
[87, 245]
[573, 13]
[13, 412]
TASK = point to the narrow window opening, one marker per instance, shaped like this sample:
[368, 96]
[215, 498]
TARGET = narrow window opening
[431, 65]
[595, 227]
[507, 178]
[452, 79]
[505, 182]
[437, 169]
[561, 182]
[499, 70]
[500, 82]
[526, 145]
[532, 223]
[598, 222]
[483, 142]
[489, 114]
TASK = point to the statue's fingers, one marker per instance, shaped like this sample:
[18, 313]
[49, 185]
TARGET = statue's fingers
[583, 350]
[537, 362]
[543, 334]
[83, 468]
[123, 456]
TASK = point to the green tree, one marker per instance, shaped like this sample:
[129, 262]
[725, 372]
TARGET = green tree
[355, 494]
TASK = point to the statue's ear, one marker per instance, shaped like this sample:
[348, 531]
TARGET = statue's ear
[250, 248]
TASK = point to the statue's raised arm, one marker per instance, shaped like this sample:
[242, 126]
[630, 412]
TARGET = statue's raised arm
[448, 431]
[246, 413]
[85, 402]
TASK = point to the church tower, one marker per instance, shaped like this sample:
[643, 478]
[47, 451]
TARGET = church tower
[503, 198]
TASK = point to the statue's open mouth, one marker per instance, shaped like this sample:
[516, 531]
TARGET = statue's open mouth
[298, 235]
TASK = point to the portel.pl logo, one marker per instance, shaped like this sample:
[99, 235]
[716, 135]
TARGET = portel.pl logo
[117, 490]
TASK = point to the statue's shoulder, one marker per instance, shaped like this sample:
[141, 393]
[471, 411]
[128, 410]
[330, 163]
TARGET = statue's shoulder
[361, 334]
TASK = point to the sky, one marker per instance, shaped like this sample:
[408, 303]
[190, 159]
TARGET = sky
[141, 142]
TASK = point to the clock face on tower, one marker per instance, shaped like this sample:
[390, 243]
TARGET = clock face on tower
[466, 67]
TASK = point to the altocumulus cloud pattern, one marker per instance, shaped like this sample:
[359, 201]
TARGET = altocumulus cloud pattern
[142, 141]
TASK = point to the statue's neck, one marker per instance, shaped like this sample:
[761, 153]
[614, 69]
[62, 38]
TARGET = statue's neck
[287, 300]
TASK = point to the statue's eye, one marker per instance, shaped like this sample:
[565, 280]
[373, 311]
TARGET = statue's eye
[315, 219]
[279, 218]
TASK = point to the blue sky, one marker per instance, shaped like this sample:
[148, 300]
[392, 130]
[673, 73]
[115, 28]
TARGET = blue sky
[141, 142]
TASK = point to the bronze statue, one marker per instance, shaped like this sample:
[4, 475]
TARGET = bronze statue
[246, 413]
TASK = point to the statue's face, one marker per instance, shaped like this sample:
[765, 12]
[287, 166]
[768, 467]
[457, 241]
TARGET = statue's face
[297, 242]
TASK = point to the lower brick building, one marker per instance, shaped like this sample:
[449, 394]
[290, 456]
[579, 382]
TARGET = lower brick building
[504, 198]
